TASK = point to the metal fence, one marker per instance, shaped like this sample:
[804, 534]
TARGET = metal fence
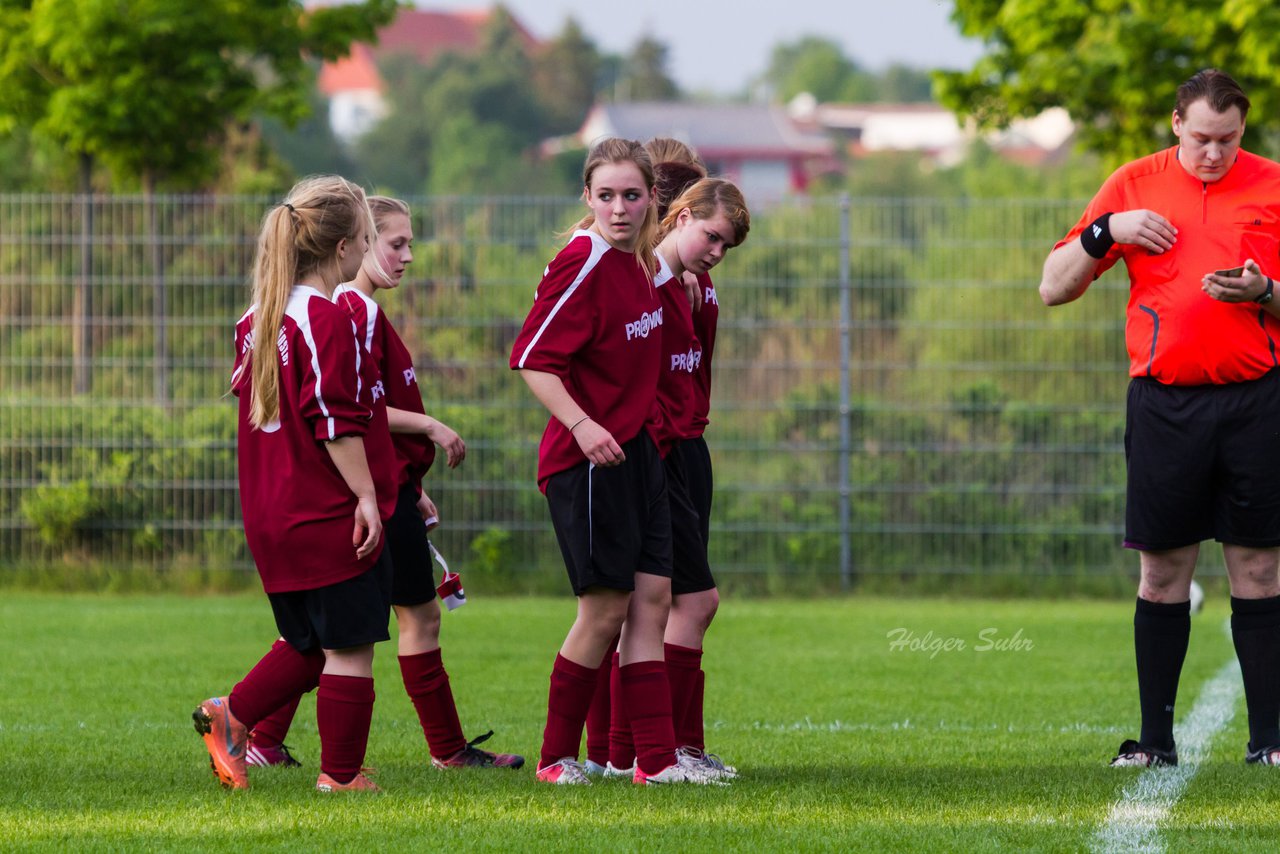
[890, 396]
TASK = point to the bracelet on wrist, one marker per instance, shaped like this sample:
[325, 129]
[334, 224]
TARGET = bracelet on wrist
[1096, 237]
[579, 421]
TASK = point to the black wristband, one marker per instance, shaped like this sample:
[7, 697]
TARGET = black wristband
[1096, 237]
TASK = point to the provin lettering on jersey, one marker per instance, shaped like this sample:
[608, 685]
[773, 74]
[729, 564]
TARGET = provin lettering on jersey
[641, 328]
[378, 390]
[282, 344]
[686, 362]
[711, 296]
[409, 377]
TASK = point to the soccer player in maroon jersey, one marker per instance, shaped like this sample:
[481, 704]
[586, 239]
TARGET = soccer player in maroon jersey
[317, 482]
[414, 435]
[589, 351]
[702, 223]
[676, 166]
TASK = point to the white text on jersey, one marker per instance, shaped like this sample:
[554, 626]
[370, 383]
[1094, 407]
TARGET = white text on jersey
[686, 362]
[648, 322]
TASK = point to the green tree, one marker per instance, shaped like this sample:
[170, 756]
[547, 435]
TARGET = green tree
[818, 66]
[1115, 65]
[153, 90]
[904, 85]
[308, 147]
[396, 152]
[565, 72]
[149, 88]
[644, 75]
[487, 115]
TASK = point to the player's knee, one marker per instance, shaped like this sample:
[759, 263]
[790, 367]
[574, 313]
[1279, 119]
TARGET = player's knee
[653, 597]
[710, 604]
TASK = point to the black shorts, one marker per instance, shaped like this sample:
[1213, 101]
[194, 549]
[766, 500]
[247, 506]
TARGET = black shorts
[613, 521]
[412, 580]
[350, 613]
[1204, 463]
[697, 467]
[690, 572]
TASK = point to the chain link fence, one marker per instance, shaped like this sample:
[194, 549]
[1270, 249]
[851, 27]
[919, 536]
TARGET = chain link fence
[959, 427]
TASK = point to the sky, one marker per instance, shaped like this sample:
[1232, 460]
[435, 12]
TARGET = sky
[720, 45]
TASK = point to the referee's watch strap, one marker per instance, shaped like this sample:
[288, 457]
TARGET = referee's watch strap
[1267, 295]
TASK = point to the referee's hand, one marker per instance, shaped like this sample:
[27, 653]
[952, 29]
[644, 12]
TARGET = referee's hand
[1143, 228]
[598, 444]
[1246, 287]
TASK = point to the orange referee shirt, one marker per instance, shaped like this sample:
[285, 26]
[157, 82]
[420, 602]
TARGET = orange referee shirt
[1174, 332]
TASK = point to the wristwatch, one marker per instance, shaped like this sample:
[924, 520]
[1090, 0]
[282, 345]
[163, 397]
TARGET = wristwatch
[1267, 295]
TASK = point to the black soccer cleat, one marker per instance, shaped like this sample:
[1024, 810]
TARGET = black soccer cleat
[1132, 754]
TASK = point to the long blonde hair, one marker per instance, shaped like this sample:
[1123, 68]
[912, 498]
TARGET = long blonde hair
[615, 150]
[299, 237]
[704, 199]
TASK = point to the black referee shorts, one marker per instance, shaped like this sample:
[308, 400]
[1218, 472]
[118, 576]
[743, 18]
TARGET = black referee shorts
[413, 581]
[613, 521]
[690, 571]
[1204, 463]
[350, 613]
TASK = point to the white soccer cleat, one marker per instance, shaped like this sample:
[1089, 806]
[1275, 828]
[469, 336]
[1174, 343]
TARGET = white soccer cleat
[566, 772]
[712, 763]
[685, 770]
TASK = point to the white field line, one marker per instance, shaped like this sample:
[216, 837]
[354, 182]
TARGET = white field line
[1134, 821]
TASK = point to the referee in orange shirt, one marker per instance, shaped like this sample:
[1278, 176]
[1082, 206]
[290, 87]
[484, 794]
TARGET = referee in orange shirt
[1202, 435]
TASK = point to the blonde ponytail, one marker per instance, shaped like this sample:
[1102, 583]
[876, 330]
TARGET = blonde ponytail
[298, 237]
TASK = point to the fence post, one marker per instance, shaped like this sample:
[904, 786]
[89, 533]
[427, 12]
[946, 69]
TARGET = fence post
[846, 320]
[82, 310]
[160, 313]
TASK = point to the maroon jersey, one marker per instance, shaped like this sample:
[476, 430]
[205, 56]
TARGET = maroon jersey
[681, 359]
[594, 324]
[414, 453]
[704, 327]
[298, 511]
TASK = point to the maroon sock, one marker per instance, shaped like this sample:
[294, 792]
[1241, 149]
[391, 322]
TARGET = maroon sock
[622, 750]
[271, 730]
[567, 702]
[697, 736]
[682, 672]
[282, 676]
[344, 708]
[647, 696]
[427, 683]
[598, 714]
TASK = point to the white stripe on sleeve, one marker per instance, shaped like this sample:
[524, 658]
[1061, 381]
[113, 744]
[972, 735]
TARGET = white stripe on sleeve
[598, 247]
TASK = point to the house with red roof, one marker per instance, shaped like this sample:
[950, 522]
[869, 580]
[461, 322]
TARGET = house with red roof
[357, 91]
[757, 146]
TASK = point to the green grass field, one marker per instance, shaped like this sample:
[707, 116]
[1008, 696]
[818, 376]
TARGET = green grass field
[844, 743]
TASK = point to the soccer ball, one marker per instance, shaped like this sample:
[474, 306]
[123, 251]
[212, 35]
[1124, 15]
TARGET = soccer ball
[1197, 597]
